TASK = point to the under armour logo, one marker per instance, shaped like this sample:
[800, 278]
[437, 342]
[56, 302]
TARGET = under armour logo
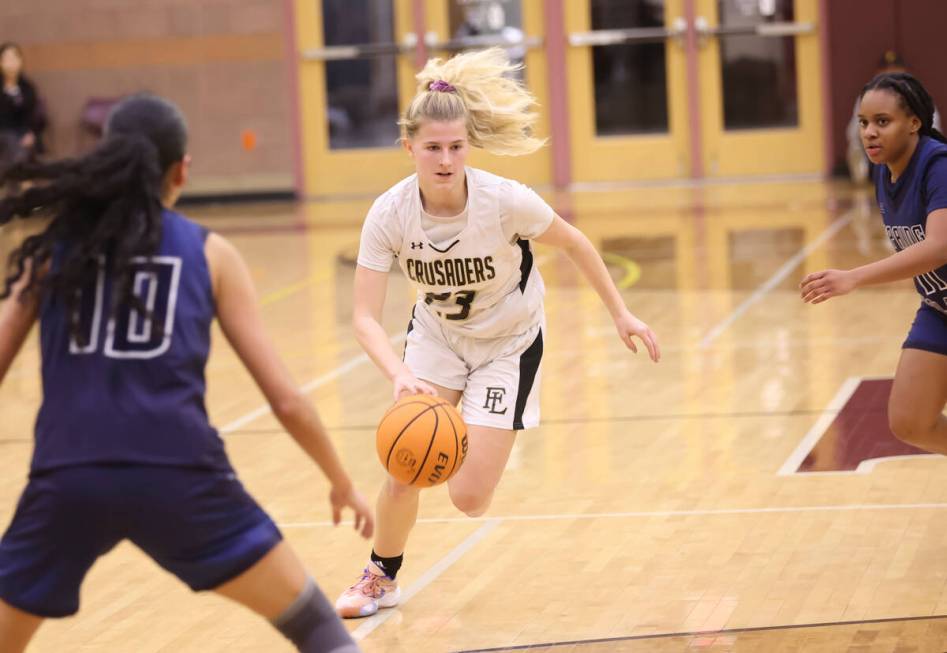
[415, 245]
[495, 397]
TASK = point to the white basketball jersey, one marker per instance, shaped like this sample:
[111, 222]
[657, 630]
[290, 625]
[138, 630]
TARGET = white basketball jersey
[481, 283]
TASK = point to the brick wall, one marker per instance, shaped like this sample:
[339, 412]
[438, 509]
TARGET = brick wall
[226, 63]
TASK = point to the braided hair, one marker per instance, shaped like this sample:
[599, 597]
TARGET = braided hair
[912, 97]
[102, 208]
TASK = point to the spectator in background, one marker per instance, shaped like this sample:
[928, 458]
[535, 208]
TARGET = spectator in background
[858, 164]
[22, 119]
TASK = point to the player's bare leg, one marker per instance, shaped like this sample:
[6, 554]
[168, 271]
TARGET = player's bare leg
[396, 512]
[472, 487]
[279, 589]
[16, 628]
[915, 409]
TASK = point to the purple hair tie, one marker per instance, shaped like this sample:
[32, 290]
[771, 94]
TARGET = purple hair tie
[441, 86]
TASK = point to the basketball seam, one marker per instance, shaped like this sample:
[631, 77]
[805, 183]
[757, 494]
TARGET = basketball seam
[430, 445]
[405, 428]
[408, 403]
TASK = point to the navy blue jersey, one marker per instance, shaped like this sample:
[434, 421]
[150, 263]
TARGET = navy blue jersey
[905, 205]
[131, 390]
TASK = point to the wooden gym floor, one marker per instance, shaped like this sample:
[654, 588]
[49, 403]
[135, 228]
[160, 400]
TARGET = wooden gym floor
[658, 508]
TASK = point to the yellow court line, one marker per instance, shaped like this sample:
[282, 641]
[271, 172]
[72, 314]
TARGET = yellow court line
[632, 269]
[286, 291]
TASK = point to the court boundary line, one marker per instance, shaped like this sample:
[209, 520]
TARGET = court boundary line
[368, 626]
[778, 277]
[817, 430]
[307, 387]
[648, 514]
[868, 465]
[618, 419]
[814, 434]
[705, 633]
[651, 417]
[690, 183]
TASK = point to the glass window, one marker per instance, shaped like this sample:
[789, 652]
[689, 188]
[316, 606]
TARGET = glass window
[489, 19]
[362, 93]
[630, 79]
[758, 72]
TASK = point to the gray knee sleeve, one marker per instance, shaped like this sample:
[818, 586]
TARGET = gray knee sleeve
[312, 625]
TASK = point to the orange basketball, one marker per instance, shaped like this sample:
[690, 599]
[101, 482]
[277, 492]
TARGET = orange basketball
[421, 440]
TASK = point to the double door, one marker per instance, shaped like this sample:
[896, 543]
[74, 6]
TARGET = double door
[358, 59]
[693, 88]
[653, 89]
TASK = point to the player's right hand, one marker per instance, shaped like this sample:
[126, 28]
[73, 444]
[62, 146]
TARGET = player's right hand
[820, 286]
[407, 383]
[349, 497]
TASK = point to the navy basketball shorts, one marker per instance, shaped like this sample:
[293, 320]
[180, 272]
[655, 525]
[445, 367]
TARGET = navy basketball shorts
[200, 525]
[929, 331]
[500, 377]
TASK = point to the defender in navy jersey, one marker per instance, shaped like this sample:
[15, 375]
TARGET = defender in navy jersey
[463, 237]
[125, 291]
[896, 115]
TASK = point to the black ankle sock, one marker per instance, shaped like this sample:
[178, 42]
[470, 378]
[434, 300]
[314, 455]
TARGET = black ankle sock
[388, 565]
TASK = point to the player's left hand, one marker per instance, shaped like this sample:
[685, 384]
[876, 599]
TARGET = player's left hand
[348, 497]
[820, 286]
[629, 326]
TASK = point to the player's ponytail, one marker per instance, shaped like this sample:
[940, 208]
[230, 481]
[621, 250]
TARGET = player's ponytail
[104, 206]
[912, 97]
[478, 88]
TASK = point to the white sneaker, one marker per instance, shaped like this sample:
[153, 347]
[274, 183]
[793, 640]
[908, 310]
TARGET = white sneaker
[373, 590]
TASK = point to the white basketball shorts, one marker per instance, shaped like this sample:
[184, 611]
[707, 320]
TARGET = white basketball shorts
[499, 377]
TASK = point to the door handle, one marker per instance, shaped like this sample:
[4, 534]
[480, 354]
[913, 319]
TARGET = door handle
[629, 35]
[761, 29]
[483, 41]
[362, 50]
[785, 29]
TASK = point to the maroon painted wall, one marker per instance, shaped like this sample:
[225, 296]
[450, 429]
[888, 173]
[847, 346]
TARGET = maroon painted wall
[860, 31]
[923, 43]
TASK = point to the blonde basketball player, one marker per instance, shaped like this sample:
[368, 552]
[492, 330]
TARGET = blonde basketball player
[463, 236]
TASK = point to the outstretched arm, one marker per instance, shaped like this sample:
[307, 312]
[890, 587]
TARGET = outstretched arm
[370, 289]
[922, 257]
[582, 252]
[237, 310]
